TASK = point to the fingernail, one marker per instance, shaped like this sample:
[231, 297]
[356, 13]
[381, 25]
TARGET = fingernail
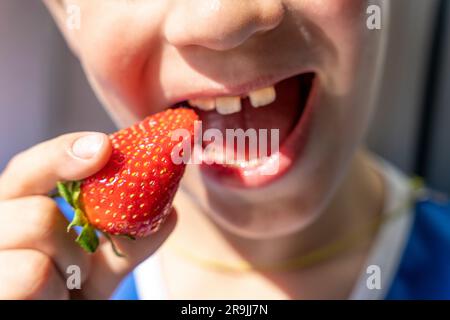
[88, 146]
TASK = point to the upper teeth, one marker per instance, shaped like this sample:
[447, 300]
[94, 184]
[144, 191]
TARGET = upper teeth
[203, 104]
[229, 105]
[262, 97]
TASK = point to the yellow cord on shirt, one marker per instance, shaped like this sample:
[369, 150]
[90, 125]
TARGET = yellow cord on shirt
[316, 256]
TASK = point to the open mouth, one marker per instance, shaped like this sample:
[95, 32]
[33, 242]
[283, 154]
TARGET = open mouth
[264, 131]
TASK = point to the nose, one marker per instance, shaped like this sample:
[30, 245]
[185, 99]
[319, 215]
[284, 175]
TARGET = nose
[220, 24]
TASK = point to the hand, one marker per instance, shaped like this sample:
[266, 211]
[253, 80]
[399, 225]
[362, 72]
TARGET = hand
[35, 248]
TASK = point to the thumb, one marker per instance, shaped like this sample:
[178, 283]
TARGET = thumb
[73, 156]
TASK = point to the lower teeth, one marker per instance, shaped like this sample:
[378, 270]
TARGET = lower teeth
[222, 160]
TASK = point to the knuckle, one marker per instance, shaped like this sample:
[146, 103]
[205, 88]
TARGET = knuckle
[29, 274]
[43, 203]
[40, 274]
[12, 170]
[43, 213]
[13, 162]
[8, 172]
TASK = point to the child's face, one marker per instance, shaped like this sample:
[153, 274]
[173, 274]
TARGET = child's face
[144, 55]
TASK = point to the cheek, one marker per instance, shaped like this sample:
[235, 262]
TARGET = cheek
[327, 10]
[106, 54]
[115, 49]
[342, 23]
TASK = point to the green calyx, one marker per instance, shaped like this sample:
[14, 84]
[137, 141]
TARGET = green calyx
[88, 238]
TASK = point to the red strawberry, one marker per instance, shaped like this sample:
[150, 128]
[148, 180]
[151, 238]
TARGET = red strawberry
[132, 194]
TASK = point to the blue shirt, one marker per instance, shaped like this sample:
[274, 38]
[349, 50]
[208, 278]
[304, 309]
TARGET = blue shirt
[424, 269]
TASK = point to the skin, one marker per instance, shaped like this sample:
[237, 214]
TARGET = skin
[140, 57]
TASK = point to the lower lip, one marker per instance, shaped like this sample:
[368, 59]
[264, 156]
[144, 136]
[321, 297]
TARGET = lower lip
[278, 164]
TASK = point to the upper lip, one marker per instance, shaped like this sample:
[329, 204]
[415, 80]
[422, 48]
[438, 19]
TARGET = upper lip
[236, 89]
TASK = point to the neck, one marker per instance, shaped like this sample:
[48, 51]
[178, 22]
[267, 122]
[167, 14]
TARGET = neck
[357, 201]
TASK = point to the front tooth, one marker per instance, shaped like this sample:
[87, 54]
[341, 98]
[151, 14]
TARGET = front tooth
[203, 104]
[228, 105]
[262, 97]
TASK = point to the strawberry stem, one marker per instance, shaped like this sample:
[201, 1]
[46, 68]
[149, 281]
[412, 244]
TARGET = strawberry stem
[113, 246]
[88, 238]
[63, 189]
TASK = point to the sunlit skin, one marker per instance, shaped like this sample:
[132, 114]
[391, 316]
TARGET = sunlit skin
[143, 56]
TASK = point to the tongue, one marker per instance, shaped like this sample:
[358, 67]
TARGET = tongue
[283, 114]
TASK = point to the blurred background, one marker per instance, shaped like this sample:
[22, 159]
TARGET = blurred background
[43, 92]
